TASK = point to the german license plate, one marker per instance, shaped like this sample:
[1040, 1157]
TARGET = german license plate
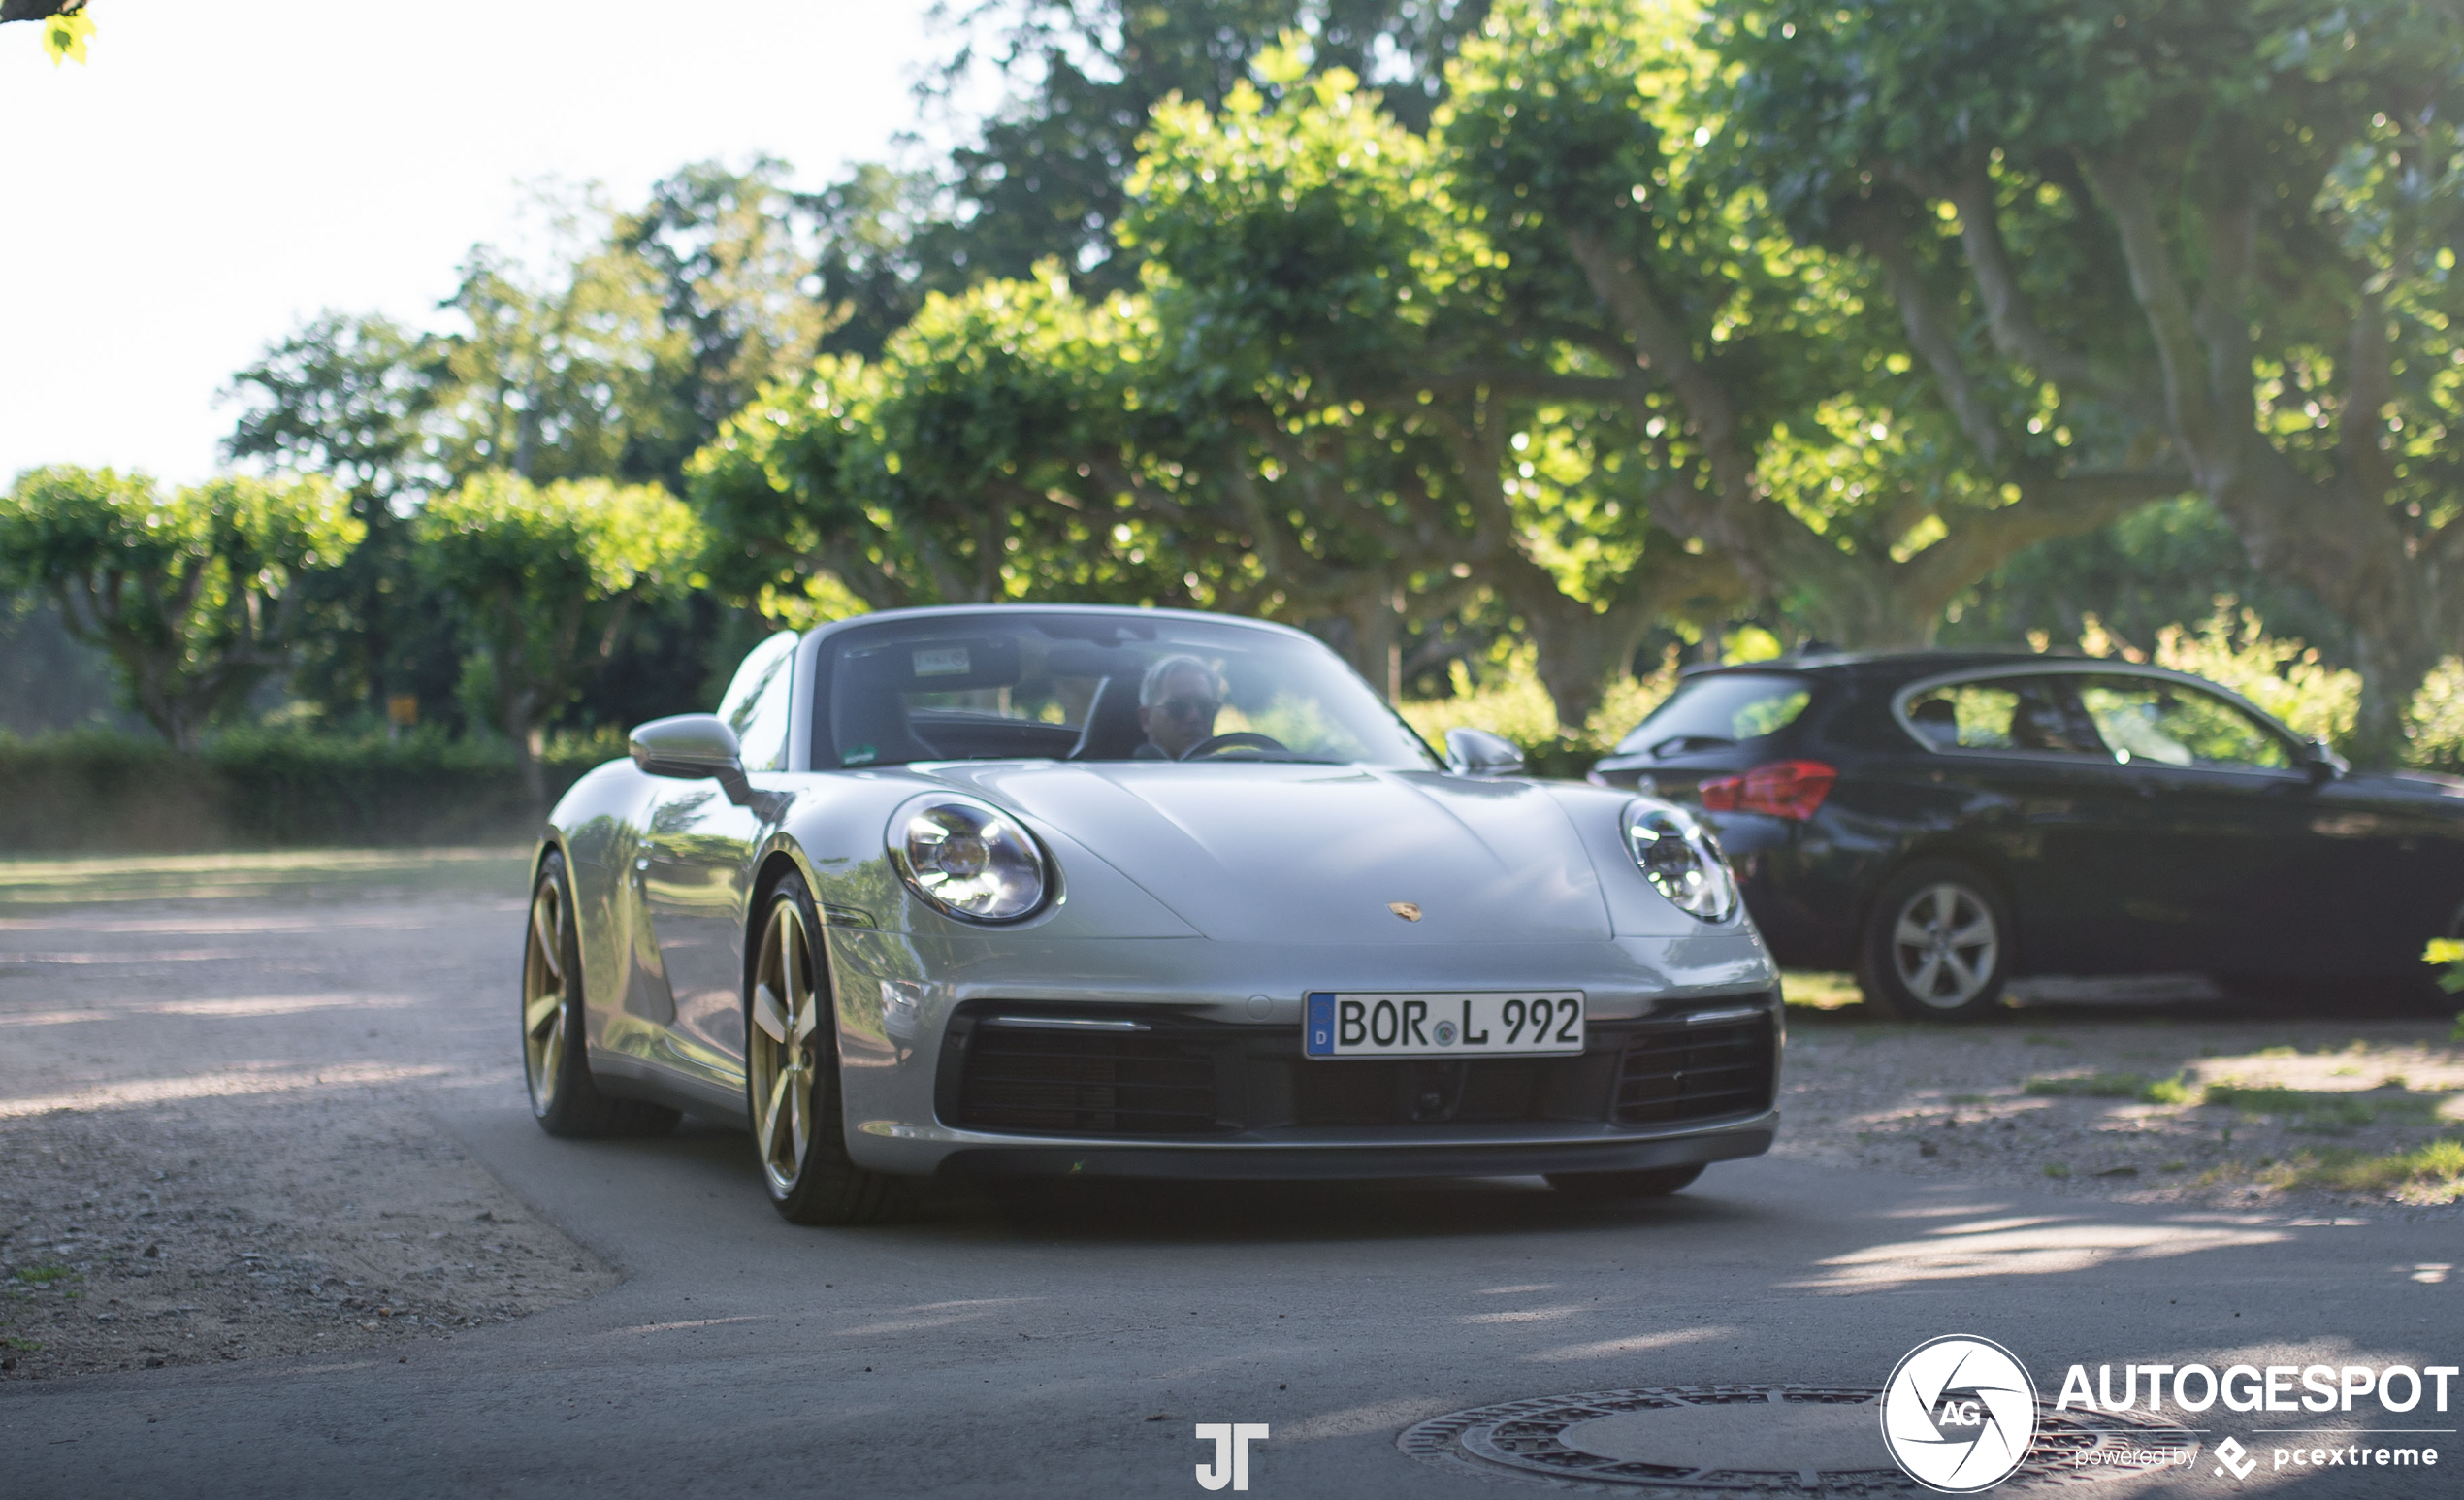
[1483, 1024]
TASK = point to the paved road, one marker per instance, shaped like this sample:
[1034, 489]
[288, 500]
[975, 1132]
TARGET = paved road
[999, 1348]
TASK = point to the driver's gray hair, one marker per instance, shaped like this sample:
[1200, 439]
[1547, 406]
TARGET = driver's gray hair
[1150, 687]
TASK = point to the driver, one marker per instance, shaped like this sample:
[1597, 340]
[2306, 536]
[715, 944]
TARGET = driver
[1177, 700]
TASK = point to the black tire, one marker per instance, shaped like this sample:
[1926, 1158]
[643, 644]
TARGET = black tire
[791, 1078]
[1619, 1187]
[556, 1066]
[1938, 944]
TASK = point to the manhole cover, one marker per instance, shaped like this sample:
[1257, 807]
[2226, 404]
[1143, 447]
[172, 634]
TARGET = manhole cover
[1793, 1441]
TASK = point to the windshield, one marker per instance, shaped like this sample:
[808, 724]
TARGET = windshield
[1707, 713]
[1013, 685]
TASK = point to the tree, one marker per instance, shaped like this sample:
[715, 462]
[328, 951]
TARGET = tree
[350, 397]
[2232, 223]
[984, 456]
[730, 259]
[195, 595]
[1046, 178]
[545, 575]
[1802, 407]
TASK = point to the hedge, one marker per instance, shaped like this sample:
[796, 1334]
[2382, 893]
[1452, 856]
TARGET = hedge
[96, 790]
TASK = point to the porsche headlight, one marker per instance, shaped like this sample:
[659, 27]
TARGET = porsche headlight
[1680, 860]
[969, 861]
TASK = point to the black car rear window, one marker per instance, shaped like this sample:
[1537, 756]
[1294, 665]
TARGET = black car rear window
[1707, 712]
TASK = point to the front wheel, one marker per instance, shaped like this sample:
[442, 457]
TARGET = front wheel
[1938, 946]
[790, 1076]
[1616, 1186]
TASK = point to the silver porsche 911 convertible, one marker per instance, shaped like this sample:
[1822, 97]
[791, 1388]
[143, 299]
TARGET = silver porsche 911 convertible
[1131, 893]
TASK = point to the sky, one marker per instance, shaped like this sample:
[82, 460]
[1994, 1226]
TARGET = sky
[212, 175]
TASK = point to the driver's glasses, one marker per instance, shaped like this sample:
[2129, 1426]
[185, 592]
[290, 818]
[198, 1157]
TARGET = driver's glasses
[1190, 706]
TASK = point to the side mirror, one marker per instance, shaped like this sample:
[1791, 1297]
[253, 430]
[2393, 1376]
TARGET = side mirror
[689, 746]
[1479, 753]
[2322, 763]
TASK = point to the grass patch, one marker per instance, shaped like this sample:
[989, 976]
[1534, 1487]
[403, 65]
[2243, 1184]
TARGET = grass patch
[2315, 1109]
[45, 1275]
[2088, 1085]
[1816, 991]
[2056, 1170]
[2432, 1173]
[2177, 1090]
[291, 872]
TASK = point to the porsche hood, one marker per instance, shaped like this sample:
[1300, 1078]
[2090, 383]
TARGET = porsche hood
[1332, 854]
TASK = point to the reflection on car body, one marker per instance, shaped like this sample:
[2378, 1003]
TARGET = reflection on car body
[1045, 889]
[1940, 823]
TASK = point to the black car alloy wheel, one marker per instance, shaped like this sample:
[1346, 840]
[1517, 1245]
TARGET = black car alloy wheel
[1938, 944]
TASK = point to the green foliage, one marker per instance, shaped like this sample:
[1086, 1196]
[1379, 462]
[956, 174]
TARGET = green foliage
[544, 575]
[2161, 565]
[195, 594]
[1510, 701]
[255, 788]
[66, 32]
[2430, 1173]
[2125, 197]
[2177, 1090]
[1045, 180]
[2308, 1109]
[2285, 677]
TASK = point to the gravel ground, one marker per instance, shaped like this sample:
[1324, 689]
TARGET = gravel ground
[215, 1074]
[213, 1078]
[1955, 1101]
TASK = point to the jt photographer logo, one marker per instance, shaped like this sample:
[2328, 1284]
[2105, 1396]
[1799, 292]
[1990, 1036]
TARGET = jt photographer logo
[1958, 1413]
[1231, 1441]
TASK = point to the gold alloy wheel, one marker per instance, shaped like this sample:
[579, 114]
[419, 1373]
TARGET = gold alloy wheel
[779, 1049]
[543, 988]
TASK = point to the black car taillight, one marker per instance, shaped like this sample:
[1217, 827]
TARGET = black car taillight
[1783, 788]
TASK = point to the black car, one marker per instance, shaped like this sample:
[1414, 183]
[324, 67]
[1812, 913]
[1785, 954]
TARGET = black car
[1942, 823]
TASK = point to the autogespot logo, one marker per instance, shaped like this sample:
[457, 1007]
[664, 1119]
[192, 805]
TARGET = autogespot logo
[1958, 1413]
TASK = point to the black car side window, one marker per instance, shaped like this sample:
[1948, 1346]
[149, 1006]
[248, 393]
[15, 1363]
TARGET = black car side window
[2145, 719]
[2027, 714]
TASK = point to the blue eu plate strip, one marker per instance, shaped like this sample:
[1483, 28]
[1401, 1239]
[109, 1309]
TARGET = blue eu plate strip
[1318, 1035]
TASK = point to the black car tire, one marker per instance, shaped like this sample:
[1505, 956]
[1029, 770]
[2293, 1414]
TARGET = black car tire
[1610, 1186]
[1938, 944]
[791, 1079]
[556, 1065]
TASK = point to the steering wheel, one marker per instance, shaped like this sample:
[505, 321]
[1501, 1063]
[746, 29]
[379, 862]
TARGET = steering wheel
[1238, 739]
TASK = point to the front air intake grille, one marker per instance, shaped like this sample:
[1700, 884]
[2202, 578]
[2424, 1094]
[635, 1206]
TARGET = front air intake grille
[1095, 1083]
[1680, 1069]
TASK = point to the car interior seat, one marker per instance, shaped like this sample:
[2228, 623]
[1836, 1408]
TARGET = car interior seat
[873, 714]
[1112, 732]
[1938, 720]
